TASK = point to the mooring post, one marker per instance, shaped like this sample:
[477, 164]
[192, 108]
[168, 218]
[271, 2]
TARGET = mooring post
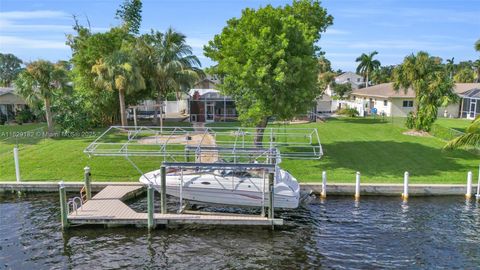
[88, 184]
[135, 117]
[405, 186]
[163, 194]
[150, 207]
[270, 196]
[17, 163]
[468, 195]
[63, 205]
[323, 194]
[357, 186]
[478, 185]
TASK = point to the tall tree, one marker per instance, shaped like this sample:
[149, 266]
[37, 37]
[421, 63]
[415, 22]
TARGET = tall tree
[471, 138]
[366, 65]
[342, 89]
[477, 45]
[432, 86]
[130, 12]
[465, 75]
[169, 63]
[39, 82]
[382, 75]
[268, 60]
[10, 66]
[119, 72]
[450, 67]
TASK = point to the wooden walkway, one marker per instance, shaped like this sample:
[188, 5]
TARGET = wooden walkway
[107, 207]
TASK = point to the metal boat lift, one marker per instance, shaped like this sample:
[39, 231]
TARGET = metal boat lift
[191, 148]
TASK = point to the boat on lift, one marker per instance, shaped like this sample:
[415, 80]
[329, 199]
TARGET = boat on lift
[228, 187]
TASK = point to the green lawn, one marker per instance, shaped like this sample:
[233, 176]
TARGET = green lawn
[456, 124]
[377, 149]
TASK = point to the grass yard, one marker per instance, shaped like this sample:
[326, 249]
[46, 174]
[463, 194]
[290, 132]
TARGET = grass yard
[377, 149]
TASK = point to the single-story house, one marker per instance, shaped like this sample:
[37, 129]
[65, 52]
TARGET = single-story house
[385, 100]
[209, 105]
[10, 103]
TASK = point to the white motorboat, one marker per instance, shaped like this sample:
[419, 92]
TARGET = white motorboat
[226, 187]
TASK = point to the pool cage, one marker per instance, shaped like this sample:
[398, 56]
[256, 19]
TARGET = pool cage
[209, 149]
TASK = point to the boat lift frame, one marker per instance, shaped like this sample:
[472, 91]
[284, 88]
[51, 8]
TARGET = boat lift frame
[231, 148]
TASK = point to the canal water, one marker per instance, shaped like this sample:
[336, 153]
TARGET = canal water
[378, 232]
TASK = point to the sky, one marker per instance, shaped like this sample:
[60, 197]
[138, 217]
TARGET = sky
[36, 29]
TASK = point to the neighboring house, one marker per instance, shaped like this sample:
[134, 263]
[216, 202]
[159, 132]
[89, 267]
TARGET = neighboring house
[386, 100]
[209, 105]
[10, 103]
[354, 79]
[209, 82]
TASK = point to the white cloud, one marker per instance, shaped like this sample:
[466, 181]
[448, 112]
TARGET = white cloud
[196, 42]
[35, 14]
[9, 26]
[11, 42]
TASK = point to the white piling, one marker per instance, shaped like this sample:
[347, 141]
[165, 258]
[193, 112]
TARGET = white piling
[405, 186]
[17, 163]
[357, 186]
[478, 185]
[468, 195]
[323, 194]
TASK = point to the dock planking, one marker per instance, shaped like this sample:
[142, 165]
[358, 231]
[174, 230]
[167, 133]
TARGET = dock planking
[107, 207]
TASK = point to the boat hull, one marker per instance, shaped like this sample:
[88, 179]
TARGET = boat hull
[209, 187]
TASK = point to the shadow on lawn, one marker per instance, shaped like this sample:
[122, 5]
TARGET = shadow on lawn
[386, 158]
[361, 120]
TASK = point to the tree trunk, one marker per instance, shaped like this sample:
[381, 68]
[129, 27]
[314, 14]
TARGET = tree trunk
[260, 129]
[123, 116]
[48, 116]
[478, 74]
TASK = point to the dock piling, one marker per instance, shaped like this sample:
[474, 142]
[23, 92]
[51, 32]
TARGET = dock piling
[468, 195]
[357, 186]
[150, 207]
[163, 194]
[88, 184]
[63, 205]
[406, 176]
[17, 163]
[323, 194]
[478, 184]
[270, 196]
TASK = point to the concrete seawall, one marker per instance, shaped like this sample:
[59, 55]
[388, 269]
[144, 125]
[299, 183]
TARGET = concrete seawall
[332, 189]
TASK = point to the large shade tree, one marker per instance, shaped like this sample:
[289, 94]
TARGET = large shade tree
[40, 82]
[119, 72]
[10, 66]
[431, 84]
[269, 61]
[367, 65]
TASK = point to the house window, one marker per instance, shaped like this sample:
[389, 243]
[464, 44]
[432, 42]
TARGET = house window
[408, 103]
[385, 103]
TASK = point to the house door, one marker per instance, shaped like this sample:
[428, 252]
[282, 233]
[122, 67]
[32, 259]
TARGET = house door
[473, 108]
[210, 113]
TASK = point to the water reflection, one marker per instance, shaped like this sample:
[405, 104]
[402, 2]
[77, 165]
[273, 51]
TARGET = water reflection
[332, 233]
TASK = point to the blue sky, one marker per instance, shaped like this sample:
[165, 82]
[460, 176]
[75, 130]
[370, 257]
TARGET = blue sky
[33, 29]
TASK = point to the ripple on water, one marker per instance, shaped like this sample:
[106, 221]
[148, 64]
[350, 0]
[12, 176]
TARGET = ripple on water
[336, 233]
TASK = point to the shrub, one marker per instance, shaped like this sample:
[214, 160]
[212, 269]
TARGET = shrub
[411, 119]
[3, 118]
[351, 112]
[24, 116]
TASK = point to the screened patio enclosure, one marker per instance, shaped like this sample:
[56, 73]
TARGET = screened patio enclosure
[470, 104]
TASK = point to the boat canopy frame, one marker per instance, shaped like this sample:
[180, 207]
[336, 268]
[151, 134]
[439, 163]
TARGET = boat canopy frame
[226, 145]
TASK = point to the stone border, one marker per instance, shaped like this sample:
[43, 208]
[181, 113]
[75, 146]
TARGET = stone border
[316, 188]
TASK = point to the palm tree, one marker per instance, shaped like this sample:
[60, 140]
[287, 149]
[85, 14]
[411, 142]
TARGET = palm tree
[171, 63]
[470, 138]
[450, 67]
[433, 88]
[367, 65]
[119, 72]
[39, 82]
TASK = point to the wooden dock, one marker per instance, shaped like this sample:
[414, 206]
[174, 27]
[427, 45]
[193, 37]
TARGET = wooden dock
[107, 207]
